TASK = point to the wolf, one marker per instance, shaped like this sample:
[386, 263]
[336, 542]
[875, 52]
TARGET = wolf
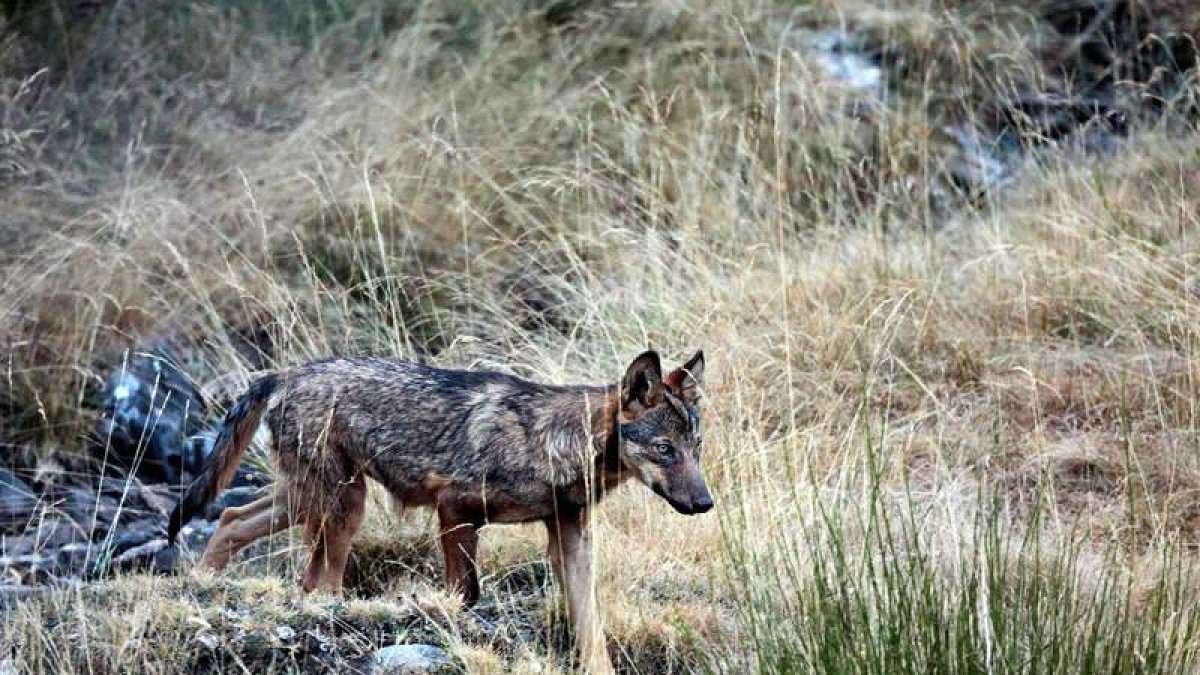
[477, 446]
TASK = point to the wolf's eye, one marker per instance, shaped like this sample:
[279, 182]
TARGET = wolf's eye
[664, 449]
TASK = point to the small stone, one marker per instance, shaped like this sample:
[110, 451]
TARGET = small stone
[410, 660]
[285, 633]
[249, 476]
[209, 640]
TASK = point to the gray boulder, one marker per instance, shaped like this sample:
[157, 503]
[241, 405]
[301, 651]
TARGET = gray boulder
[17, 502]
[410, 660]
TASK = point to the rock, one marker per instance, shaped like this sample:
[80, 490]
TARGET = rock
[410, 660]
[153, 423]
[136, 497]
[91, 512]
[152, 410]
[135, 534]
[28, 569]
[975, 168]
[13, 594]
[208, 640]
[72, 559]
[17, 544]
[836, 54]
[125, 489]
[159, 499]
[115, 486]
[195, 535]
[238, 496]
[54, 532]
[17, 502]
[153, 556]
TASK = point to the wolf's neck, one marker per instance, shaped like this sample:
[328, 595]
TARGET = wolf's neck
[577, 442]
[603, 406]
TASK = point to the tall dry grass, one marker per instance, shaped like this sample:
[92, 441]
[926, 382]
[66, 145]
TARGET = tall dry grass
[946, 433]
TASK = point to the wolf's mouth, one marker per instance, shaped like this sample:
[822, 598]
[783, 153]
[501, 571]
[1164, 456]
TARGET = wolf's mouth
[682, 507]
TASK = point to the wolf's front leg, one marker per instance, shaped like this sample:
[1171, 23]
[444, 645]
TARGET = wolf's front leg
[460, 539]
[570, 553]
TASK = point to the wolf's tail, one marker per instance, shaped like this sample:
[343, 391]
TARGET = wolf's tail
[237, 429]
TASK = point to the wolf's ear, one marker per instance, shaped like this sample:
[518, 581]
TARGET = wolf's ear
[643, 382]
[685, 382]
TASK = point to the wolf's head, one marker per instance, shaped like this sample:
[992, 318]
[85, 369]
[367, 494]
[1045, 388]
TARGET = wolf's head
[660, 430]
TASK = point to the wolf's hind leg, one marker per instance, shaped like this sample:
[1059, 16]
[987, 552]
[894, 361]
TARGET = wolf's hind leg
[337, 540]
[331, 539]
[317, 559]
[240, 526]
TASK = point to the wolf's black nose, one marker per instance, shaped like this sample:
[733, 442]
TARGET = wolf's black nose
[702, 504]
